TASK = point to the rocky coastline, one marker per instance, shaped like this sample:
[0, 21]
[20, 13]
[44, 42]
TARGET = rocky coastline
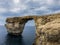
[47, 28]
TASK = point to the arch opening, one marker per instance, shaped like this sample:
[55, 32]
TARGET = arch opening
[29, 32]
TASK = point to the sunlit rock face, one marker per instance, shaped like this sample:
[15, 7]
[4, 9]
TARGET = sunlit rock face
[47, 28]
[15, 25]
[15, 29]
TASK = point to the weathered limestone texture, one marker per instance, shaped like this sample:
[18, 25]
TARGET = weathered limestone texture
[16, 25]
[13, 26]
[47, 28]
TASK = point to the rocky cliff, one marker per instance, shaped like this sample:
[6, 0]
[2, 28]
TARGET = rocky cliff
[47, 28]
[16, 25]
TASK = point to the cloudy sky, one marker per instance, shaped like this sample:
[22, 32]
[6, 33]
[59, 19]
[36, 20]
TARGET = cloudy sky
[9, 8]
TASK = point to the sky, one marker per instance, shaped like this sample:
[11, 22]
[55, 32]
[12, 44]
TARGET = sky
[11, 8]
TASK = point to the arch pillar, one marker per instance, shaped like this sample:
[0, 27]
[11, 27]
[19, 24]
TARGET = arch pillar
[15, 25]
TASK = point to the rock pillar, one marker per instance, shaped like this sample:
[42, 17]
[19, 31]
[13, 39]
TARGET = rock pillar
[15, 26]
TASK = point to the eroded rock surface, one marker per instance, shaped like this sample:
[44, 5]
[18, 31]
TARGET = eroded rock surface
[16, 25]
[47, 28]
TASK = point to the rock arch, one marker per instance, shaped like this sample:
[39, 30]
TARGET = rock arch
[16, 25]
[47, 28]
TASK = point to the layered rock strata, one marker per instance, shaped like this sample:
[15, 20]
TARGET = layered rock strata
[47, 28]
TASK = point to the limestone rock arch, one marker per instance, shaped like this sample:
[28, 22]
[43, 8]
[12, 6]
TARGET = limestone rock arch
[47, 28]
[16, 25]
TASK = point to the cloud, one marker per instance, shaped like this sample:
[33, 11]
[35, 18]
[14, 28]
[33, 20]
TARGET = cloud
[42, 8]
[17, 6]
[48, 6]
[17, 9]
[3, 10]
[58, 11]
[27, 7]
[31, 6]
[16, 1]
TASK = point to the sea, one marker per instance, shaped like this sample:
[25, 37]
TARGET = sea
[27, 37]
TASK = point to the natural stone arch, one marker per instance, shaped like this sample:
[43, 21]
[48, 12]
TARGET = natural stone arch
[47, 28]
[29, 32]
[16, 25]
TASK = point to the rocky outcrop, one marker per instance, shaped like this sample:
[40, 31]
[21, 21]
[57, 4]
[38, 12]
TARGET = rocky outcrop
[13, 26]
[47, 28]
[16, 25]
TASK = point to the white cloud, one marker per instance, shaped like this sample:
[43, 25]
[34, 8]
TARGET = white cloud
[14, 9]
[18, 9]
[3, 10]
[50, 2]
[41, 2]
[42, 8]
[44, 5]
[58, 11]
[37, 0]
[26, 1]
[17, 6]
[21, 5]
[16, 1]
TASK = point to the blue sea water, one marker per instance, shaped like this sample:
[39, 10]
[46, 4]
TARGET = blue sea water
[27, 37]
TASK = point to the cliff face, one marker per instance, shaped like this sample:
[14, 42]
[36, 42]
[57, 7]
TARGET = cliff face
[16, 25]
[47, 28]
